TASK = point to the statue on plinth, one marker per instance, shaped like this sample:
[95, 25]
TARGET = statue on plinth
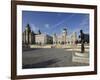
[82, 41]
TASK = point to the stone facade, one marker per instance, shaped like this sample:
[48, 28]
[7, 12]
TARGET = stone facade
[29, 37]
[64, 38]
[71, 39]
[43, 39]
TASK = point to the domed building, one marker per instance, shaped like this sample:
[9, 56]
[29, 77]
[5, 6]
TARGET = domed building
[29, 37]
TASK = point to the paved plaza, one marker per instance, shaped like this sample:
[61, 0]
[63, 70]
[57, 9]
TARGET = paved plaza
[48, 57]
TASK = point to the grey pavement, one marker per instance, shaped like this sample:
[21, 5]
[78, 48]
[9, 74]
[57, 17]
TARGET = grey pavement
[48, 57]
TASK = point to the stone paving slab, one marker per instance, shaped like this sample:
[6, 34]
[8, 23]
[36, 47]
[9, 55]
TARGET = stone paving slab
[48, 57]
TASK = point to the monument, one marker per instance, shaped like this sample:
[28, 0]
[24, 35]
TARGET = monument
[82, 56]
[82, 41]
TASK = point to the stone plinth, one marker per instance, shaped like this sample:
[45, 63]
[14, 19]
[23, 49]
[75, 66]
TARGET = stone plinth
[81, 58]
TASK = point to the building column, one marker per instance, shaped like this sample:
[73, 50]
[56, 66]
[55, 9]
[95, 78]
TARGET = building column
[27, 37]
[30, 38]
[24, 38]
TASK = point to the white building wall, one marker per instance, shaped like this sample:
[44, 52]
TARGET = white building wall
[40, 39]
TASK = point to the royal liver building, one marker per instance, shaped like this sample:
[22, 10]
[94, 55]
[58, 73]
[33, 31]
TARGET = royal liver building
[29, 37]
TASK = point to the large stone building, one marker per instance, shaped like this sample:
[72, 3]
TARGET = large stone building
[60, 39]
[43, 39]
[29, 37]
[71, 39]
[63, 38]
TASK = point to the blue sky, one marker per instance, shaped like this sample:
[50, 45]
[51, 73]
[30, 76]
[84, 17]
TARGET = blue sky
[54, 22]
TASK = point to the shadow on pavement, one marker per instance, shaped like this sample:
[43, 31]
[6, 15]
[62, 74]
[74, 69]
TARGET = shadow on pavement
[29, 49]
[41, 64]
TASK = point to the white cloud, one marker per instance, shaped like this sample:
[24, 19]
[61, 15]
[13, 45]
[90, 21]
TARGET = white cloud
[47, 26]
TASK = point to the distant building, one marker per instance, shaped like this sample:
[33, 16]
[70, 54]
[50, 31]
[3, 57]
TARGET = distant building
[28, 36]
[59, 39]
[71, 39]
[40, 39]
[43, 39]
[63, 38]
[55, 38]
